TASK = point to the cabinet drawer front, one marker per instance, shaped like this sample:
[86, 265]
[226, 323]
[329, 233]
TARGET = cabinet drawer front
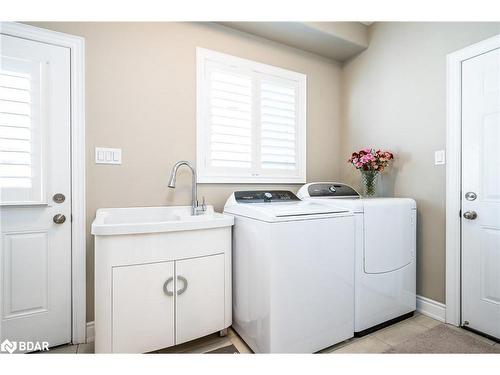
[143, 310]
[200, 297]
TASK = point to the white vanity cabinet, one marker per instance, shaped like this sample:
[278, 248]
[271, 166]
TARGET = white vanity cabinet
[191, 290]
[159, 289]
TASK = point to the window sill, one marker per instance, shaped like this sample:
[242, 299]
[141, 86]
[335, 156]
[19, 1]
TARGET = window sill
[251, 180]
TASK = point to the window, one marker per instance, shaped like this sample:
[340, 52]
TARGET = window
[20, 131]
[251, 121]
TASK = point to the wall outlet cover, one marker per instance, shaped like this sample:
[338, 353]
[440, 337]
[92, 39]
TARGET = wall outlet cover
[439, 157]
[106, 155]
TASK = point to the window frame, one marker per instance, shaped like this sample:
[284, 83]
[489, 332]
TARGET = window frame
[208, 175]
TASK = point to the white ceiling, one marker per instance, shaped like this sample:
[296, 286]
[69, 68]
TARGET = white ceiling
[335, 40]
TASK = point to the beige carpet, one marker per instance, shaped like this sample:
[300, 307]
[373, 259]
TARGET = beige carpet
[442, 339]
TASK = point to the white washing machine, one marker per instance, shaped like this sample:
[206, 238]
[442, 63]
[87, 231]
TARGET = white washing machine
[293, 272]
[385, 273]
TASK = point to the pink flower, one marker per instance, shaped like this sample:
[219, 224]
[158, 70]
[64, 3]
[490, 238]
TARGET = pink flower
[369, 159]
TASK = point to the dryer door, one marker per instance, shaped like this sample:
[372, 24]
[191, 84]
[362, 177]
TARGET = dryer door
[389, 226]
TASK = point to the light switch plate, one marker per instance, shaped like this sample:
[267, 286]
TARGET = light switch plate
[439, 157]
[105, 155]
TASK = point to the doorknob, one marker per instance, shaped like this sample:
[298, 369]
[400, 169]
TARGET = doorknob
[470, 215]
[59, 218]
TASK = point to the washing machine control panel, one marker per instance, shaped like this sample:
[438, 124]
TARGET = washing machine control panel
[332, 190]
[263, 196]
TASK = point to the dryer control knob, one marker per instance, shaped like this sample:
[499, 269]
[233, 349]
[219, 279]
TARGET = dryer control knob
[332, 189]
[267, 196]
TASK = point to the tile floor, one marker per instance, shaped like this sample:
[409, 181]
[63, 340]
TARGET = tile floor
[376, 342]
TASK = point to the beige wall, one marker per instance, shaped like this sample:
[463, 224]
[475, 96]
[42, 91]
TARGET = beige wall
[394, 97]
[140, 93]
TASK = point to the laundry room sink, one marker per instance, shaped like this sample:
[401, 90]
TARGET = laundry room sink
[162, 277]
[136, 220]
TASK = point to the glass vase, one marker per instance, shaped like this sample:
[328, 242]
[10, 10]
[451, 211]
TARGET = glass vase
[369, 182]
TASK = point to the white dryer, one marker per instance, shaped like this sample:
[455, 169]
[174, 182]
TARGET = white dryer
[293, 272]
[385, 273]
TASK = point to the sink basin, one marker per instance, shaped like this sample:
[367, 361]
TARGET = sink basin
[113, 221]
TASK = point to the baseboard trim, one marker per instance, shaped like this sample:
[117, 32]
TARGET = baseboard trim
[90, 332]
[433, 309]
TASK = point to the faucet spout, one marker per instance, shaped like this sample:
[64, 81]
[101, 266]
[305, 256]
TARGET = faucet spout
[195, 209]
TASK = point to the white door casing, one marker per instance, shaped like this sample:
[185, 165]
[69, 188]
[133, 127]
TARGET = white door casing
[35, 164]
[76, 45]
[454, 172]
[481, 176]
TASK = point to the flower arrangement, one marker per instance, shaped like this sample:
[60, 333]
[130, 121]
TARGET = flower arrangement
[370, 163]
[368, 159]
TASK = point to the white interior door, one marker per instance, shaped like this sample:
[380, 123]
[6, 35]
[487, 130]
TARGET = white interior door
[35, 257]
[481, 193]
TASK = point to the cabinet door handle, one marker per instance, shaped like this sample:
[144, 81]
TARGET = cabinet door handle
[184, 287]
[165, 287]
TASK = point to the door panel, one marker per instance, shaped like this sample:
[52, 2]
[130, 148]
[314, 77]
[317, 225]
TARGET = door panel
[143, 312]
[490, 163]
[490, 262]
[25, 274]
[200, 298]
[35, 258]
[480, 174]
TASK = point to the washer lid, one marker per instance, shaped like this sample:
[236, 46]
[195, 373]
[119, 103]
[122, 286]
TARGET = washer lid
[299, 209]
[281, 206]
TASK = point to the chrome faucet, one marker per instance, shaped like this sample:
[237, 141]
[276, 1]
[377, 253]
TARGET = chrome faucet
[195, 208]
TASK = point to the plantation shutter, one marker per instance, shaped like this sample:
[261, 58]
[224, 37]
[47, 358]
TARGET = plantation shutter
[20, 132]
[278, 125]
[251, 121]
[230, 102]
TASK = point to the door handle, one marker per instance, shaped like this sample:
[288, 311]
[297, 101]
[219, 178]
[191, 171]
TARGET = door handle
[59, 218]
[470, 215]
[184, 287]
[165, 287]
